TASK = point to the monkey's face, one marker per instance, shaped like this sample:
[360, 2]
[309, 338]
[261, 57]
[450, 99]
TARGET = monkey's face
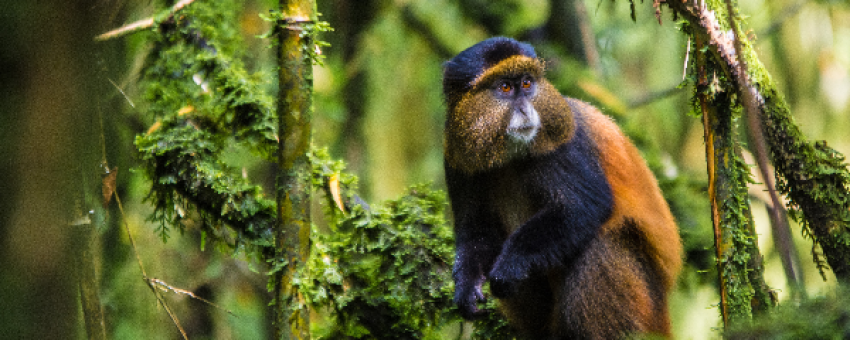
[511, 112]
[523, 119]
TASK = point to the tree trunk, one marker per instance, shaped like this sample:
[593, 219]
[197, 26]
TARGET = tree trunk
[811, 174]
[291, 315]
[743, 290]
[47, 129]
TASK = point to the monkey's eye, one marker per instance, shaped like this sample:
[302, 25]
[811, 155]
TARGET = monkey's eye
[505, 87]
[526, 83]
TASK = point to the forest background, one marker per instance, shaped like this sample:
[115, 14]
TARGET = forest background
[377, 107]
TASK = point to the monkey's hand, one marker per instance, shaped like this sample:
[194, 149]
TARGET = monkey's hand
[506, 276]
[467, 297]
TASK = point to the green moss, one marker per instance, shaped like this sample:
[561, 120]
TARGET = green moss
[812, 175]
[815, 179]
[202, 98]
[187, 175]
[384, 271]
[740, 263]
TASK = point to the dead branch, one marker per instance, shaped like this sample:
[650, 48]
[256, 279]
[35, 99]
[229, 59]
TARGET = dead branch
[141, 24]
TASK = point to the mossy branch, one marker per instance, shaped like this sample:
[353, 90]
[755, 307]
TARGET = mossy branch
[741, 282]
[202, 98]
[721, 85]
[143, 23]
[742, 286]
[293, 189]
[182, 160]
[815, 178]
[812, 175]
[383, 270]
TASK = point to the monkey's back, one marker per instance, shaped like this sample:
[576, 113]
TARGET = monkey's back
[637, 197]
[621, 282]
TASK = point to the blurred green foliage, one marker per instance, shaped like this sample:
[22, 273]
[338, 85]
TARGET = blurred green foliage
[823, 317]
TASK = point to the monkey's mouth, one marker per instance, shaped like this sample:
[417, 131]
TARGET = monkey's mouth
[525, 129]
[523, 133]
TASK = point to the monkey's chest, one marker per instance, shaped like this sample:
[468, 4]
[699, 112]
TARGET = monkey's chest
[512, 203]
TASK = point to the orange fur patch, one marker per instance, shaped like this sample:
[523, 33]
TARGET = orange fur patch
[515, 66]
[636, 193]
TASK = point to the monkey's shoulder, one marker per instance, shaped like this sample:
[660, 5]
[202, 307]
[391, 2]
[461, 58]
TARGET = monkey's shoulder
[598, 124]
[601, 132]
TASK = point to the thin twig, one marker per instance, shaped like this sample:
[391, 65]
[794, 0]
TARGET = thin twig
[654, 96]
[122, 93]
[130, 235]
[105, 165]
[142, 268]
[687, 57]
[139, 25]
[166, 286]
[167, 309]
[144, 274]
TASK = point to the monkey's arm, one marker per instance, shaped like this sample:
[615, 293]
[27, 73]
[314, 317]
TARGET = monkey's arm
[551, 238]
[477, 242]
[577, 201]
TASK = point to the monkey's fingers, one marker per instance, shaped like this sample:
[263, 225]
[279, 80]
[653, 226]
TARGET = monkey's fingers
[467, 302]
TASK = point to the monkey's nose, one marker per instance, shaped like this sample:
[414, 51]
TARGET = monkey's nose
[527, 110]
